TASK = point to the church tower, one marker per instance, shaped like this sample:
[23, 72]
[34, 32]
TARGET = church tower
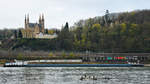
[25, 22]
[40, 20]
[42, 23]
[33, 29]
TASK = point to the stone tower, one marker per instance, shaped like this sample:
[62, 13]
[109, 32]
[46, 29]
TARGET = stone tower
[26, 21]
[41, 22]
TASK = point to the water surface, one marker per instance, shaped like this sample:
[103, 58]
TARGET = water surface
[72, 75]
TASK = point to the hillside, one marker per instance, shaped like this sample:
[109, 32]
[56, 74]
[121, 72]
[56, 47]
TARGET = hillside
[116, 32]
[123, 32]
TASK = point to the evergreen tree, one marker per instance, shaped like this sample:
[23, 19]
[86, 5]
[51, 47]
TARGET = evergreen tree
[19, 34]
[66, 28]
[65, 38]
[46, 31]
[15, 33]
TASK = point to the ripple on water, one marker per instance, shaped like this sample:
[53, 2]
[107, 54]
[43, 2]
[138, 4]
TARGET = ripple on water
[72, 75]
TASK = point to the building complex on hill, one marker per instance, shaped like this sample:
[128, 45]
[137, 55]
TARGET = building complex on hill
[36, 30]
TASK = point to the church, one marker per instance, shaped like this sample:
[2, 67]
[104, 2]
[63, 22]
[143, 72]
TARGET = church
[33, 29]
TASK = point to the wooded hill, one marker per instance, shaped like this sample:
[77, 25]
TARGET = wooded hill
[113, 32]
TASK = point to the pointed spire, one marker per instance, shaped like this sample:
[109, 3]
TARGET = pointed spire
[25, 18]
[42, 16]
[25, 21]
[40, 19]
[28, 18]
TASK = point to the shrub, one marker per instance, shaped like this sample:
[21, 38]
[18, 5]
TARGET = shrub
[71, 54]
[20, 56]
[50, 54]
[63, 54]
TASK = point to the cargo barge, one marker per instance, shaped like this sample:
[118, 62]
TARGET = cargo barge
[102, 61]
[72, 65]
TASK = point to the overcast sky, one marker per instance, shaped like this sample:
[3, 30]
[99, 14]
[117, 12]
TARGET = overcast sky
[57, 12]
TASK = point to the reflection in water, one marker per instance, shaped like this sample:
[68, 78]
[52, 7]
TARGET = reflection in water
[70, 75]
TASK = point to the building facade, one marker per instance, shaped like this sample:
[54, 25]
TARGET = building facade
[33, 29]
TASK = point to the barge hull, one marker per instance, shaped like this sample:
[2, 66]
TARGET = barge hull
[77, 65]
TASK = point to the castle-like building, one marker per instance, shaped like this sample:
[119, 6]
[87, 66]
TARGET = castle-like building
[36, 30]
[33, 29]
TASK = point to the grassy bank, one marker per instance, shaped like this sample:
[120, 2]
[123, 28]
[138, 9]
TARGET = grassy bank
[37, 55]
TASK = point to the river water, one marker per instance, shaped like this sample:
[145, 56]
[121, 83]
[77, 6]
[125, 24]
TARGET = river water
[72, 75]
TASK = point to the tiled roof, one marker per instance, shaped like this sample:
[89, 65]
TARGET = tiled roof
[32, 25]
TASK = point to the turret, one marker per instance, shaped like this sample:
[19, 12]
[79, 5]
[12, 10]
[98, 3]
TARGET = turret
[25, 22]
[42, 23]
[28, 19]
[42, 17]
[40, 20]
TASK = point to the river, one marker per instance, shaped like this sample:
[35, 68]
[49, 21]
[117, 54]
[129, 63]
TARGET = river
[72, 75]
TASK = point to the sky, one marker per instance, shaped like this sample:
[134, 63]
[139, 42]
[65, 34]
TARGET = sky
[58, 12]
